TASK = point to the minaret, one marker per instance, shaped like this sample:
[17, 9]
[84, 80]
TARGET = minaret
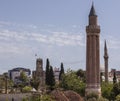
[93, 55]
[106, 62]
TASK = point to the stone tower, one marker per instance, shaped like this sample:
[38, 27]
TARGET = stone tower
[106, 62]
[39, 72]
[93, 55]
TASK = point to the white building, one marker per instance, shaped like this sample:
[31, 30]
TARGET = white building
[14, 74]
[56, 74]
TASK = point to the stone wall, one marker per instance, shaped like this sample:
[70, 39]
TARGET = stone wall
[16, 97]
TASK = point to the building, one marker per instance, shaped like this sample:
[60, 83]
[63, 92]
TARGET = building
[14, 74]
[111, 75]
[93, 55]
[56, 74]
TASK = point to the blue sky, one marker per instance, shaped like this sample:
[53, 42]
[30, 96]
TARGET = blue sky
[55, 29]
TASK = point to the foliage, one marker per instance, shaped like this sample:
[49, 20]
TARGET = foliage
[111, 91]
[51, 78]
[71, 81]
[27, 89]
[39, 98]
[106, 89]
[25, 99]
[47, 72]
[116, 89]
[118, 97]
[5, 82]
[23, 77]
[102, 99]
[46, 98]
[2, 83]
[92, 97]
[114, 78]
[34, 83]
[61, 71]
[81, 74]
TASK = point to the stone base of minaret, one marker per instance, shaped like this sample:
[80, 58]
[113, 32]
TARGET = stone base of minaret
[95, 90]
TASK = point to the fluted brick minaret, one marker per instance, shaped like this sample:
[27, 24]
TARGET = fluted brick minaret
[106, 62]
[93, 55]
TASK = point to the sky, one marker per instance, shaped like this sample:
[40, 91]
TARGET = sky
[55, 29]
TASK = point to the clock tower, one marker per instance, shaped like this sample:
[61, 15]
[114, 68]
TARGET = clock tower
[39, 72]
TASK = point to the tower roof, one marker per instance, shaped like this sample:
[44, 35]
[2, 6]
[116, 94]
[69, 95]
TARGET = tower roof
[105, 50]
[92, 11]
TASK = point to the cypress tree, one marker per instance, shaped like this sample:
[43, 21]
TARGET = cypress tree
[51, 77]
[114, 78]
[47, 71]
[61, 71]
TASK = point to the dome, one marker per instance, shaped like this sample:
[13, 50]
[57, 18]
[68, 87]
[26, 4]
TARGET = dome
[102, 69]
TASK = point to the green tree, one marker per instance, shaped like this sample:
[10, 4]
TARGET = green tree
[81, 74]
[24, 80]
[23, 77]
[5, 77]
[116, 89]
[34, 83]
[61, 71]
[118, 97]
[2, 84]
[106, 89]
[114, 78]
[71, 81]
[47, 71]
[51, 78]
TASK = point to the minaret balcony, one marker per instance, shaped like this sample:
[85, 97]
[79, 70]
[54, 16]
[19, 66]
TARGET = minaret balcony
[93, 29]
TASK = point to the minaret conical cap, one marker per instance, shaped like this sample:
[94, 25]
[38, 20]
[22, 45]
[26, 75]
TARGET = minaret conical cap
[92, 11]
[105, 50]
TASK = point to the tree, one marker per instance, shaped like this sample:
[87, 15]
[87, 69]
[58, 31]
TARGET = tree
[71, 81]
[23, 77]
[2, 84]
[24, 80]
[34, 83]
[47, 72]
[61, 72]
[116, 89]
[118, 97]
[114, 78]
[51, 78]
[106, 89]
[81, 74]
[6, 83]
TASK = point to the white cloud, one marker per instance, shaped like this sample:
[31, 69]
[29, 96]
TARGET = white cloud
[57, 38]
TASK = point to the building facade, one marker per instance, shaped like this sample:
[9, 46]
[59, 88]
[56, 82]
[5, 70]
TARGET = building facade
[93, 55]
[14, 74]
[56, 74]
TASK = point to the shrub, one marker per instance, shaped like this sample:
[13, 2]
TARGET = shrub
[26, 89]
[118, 97]
[92, 96]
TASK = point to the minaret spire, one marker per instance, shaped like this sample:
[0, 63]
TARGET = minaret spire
[106, 61]
[92, 16]
[105, 50]
[92, 11]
